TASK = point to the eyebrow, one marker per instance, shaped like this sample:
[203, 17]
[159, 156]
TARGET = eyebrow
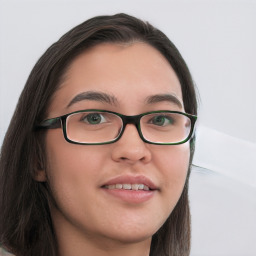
[164, 97]
[94, 96]
[112, 100]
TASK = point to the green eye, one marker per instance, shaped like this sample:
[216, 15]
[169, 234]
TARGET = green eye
[162, 120]
[94, 118]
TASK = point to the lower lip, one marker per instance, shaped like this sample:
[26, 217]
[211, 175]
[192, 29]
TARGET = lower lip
[131, 196]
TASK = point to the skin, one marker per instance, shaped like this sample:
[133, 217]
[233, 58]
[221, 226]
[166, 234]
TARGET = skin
[87, 220]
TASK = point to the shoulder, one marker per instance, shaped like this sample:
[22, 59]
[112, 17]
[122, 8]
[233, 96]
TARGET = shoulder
[4, 253]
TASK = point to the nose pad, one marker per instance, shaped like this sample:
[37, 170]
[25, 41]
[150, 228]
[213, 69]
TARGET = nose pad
[130, 147]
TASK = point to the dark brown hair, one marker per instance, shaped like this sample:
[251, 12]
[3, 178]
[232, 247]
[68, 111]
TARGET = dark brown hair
[25, 224]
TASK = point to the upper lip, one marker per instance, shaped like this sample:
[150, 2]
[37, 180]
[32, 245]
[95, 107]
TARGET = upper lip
[128, 179]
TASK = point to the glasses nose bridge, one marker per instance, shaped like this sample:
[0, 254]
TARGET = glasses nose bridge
[135, 120]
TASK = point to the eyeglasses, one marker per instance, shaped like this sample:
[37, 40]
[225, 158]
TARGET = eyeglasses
[97, 127]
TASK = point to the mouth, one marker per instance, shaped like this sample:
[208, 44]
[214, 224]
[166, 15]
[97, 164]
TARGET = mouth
[128, 182]
[130, 189]
[134, 187]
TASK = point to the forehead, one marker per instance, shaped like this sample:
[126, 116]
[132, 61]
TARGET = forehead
[130, 72]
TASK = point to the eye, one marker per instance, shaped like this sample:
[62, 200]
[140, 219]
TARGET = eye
[162, 120]
[93, 118]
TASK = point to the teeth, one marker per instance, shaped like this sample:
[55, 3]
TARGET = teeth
[146, 187]
[118, 186]
[128, 186]
[135, 186]
[141, 186]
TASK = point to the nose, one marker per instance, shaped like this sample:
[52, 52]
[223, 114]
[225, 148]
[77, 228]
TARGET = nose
[130, 148]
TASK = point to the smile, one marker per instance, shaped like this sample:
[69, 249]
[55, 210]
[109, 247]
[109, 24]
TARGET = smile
[128, 187]
[131, 189]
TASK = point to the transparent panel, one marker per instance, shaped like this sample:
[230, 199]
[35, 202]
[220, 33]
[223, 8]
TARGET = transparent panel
[93, 127]
[165, 127]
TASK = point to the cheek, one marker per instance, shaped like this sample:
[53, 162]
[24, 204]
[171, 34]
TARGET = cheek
[174, 160]
[71, 169]
[173, 163]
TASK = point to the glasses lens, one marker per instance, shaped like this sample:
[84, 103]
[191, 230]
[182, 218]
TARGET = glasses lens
[165, 127]
[93, 127]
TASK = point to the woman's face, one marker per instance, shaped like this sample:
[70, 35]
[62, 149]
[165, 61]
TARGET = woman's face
[79, 175]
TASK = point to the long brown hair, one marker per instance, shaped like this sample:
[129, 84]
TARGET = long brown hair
[25, 223]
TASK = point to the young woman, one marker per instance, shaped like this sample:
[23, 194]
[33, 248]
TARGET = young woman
[97, 156]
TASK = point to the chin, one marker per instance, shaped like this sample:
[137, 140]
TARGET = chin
[134, 235]
[133, 238]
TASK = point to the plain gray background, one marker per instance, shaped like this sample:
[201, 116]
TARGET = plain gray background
[217, 39]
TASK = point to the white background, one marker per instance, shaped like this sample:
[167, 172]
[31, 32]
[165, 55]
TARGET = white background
[218, 41]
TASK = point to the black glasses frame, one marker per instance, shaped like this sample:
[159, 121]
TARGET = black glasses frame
[61, 121]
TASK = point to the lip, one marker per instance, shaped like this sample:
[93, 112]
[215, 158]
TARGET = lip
[131, 196]
[128, 179]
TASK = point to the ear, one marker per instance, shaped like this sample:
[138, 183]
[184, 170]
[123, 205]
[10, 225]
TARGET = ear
[39, 170]
[40, 175]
